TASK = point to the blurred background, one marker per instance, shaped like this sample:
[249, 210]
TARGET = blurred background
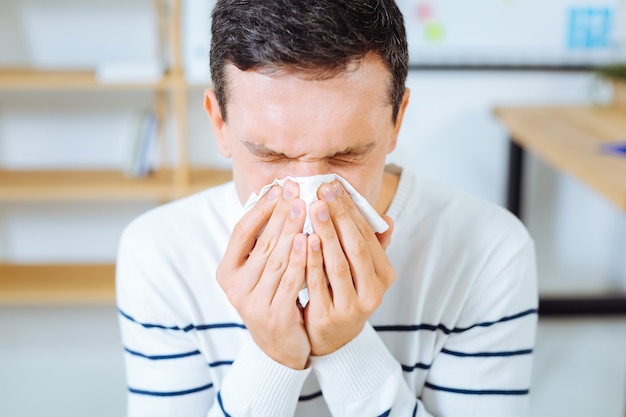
[101, 119]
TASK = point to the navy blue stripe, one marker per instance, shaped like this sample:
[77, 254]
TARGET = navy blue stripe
[446, 330]
[171, 393]
[411, 328]
[491, 323]
[220, 363]
[219, 401]
[411, 368]
[478, 391]
[187, 328]
[162, 357]
[310, 396]
[415, 409]
[487, 354]
[386, 413]
[218, 326]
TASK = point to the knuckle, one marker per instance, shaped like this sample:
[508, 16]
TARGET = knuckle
[317, 282]
[327, 233]
[274, 264]
[220, 275]
[386, 275]
[324, 321]
[390, 277]
[340, 268]
[289, 284]
[351, 313]
[371, 301]
[341, 213]
[263, 246]
[242, 229]
[361, 249]
[363, 225]
[235, 297]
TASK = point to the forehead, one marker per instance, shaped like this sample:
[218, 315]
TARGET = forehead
[286, 106]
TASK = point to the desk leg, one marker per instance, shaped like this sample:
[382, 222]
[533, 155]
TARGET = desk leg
[515, 179]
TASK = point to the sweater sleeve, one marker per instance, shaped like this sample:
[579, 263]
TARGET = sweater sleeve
[364, 379]
[259, 386]
[483, 370]
[166, 373]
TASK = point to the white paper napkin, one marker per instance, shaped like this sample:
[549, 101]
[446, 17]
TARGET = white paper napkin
[308, 193]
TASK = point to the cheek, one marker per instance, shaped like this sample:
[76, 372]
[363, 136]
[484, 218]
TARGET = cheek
[250, 178]
[366, 181]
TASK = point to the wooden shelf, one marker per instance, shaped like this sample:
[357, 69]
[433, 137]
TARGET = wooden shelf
[57, 284]
[102, 185]
[31, 79]
[80, 283]
[201, 178]
[90, 185]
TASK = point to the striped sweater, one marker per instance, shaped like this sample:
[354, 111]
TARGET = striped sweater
[453, 337]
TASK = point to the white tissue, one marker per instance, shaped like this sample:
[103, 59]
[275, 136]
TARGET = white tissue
[308, 193]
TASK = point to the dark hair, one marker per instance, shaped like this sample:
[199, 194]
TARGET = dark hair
[321, 36]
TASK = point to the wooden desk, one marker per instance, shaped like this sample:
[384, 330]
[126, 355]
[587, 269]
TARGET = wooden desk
[570, 140]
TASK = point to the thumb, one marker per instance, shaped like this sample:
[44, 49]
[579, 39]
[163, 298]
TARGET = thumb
[385, 237]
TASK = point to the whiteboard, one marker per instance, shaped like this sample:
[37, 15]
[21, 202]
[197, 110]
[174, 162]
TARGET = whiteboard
[515, 32]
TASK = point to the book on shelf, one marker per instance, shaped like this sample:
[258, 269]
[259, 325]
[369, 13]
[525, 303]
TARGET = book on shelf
[142, 154]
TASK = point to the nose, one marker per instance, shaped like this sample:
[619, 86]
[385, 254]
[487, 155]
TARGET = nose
[307, 168]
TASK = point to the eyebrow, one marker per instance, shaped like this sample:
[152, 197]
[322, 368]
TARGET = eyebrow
[260, 150]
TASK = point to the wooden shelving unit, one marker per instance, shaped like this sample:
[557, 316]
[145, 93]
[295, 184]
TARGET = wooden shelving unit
[57, 284]
[19, 79]
[102, 185]
[94, 283]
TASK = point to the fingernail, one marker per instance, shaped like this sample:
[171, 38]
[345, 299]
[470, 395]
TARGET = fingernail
[298, 242]
[289, 191]
[338, 189]
[295, 210]
[328, 193]
[322, 214]
[273, 193]
[316, 245]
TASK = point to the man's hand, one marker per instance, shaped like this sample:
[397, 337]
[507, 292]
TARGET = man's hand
[262, 277]
[347, 270]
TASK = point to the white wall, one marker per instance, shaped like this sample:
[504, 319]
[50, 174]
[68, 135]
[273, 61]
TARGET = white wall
[449, 135]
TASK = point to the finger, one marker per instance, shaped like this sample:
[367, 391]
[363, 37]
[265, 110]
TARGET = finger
[278, 260]
[385, 237]
[343, 209]
[336, 264]
[316, 281]
[368, 261]
[269, 236]
[245, 233]
[377, 242]
[291, 281]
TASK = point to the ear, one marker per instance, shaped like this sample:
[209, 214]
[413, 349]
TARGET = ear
[400, 116]
[217, 122]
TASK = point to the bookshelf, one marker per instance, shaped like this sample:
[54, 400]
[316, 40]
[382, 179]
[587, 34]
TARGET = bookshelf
[16, 79]
[84, 283]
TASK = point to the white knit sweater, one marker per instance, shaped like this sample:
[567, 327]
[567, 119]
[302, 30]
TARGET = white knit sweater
[453, 337]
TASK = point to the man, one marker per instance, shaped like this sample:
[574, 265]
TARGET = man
[435, 316]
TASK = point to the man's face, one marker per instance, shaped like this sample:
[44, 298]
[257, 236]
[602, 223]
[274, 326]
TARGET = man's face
[289, 124]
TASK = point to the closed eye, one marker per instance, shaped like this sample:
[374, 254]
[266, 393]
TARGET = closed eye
[347, 156]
